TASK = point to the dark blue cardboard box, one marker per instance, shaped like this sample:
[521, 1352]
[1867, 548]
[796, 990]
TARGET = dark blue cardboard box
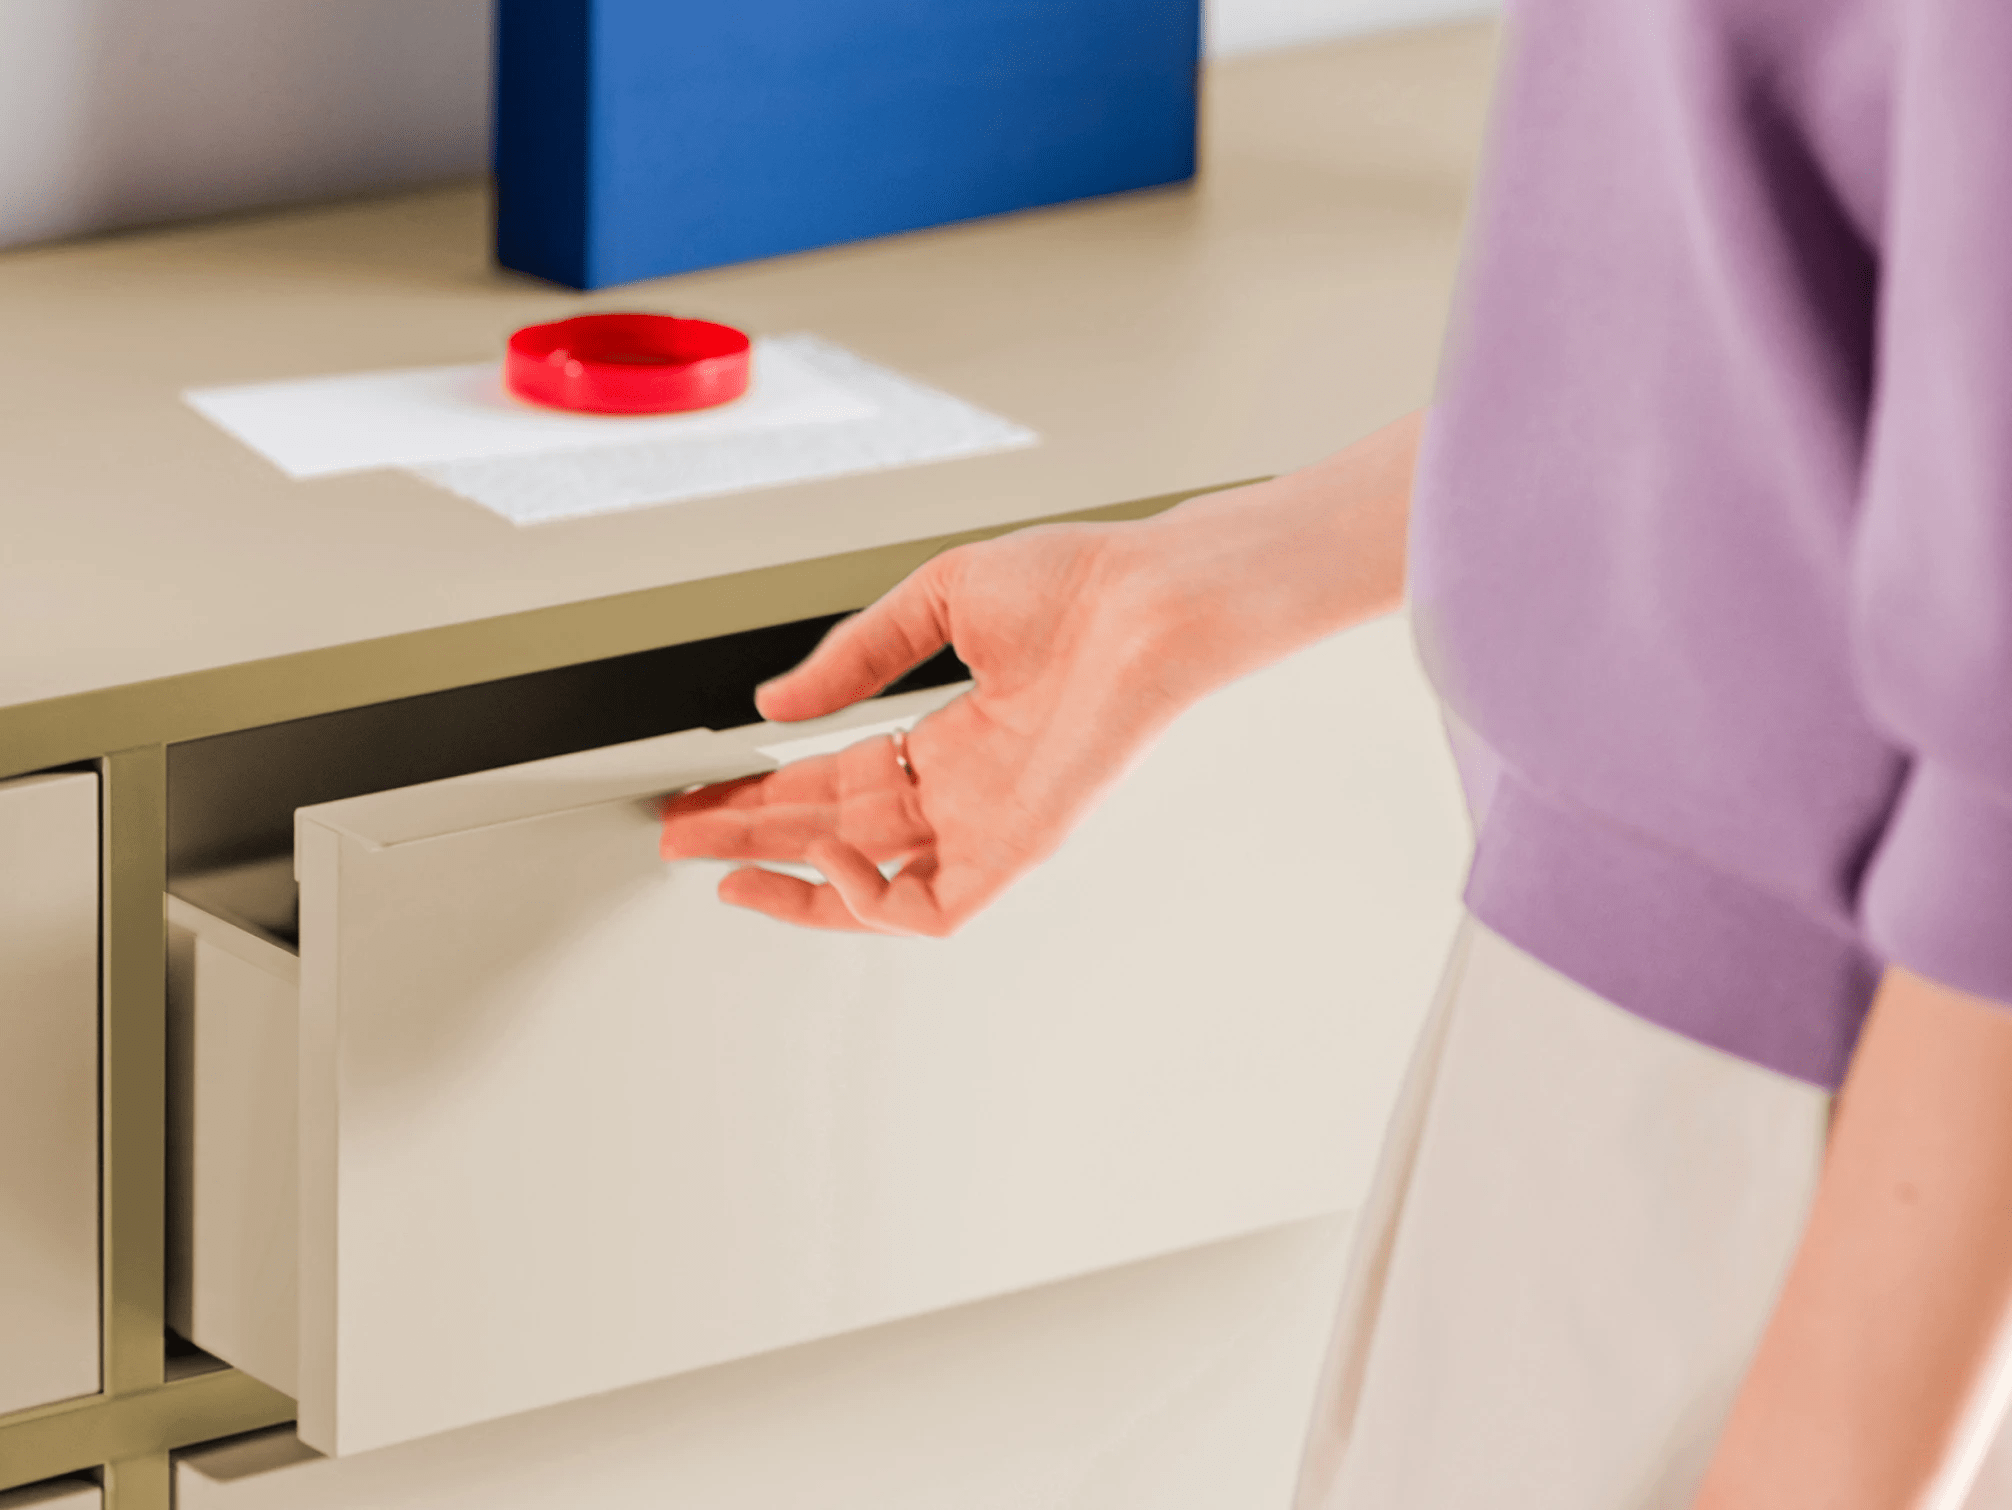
[636, 138]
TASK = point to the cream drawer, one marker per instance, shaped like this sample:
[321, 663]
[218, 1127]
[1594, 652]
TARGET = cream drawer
[48, 1089]
[531, 1116]
[1183, 1383]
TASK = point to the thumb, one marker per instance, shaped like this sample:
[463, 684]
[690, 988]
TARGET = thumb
[864, 653]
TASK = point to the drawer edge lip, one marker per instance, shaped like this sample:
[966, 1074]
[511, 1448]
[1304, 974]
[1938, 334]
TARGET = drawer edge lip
[87, 725]
[714, 755]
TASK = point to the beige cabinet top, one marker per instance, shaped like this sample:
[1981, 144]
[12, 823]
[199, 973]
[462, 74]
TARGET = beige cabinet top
[1162, 341]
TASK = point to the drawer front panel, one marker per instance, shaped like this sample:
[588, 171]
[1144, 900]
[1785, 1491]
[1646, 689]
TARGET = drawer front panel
[48, 1089]
[1179, 1384]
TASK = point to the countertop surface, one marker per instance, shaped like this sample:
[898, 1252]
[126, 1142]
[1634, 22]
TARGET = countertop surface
[1288, 301]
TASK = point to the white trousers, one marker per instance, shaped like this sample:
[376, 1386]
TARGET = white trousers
[1576, 1234]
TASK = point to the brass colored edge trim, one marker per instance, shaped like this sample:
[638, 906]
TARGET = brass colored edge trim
[133, 796]
[58, 731]
[77, 1435]
[145, 1483]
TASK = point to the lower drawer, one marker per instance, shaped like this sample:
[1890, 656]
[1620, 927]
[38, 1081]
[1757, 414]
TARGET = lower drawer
[57, 1494]
[1179, 1384]
[529, 1116]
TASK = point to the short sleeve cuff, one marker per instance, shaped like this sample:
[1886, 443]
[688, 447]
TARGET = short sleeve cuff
[1937, 898]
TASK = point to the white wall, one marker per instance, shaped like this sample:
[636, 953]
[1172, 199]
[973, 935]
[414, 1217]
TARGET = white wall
[124, 112]
[1236, 27]
[121, 112]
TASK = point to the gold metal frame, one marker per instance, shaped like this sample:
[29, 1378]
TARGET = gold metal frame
[125, 1433]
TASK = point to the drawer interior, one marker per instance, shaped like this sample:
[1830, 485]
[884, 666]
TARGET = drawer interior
[259, 896]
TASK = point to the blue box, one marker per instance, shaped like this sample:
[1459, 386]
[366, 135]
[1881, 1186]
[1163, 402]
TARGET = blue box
[636, 138]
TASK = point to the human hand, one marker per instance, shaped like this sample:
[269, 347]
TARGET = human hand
[1069, 684]
[1084, 642]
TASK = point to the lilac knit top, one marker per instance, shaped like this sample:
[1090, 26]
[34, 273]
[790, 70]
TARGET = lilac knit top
[1712, 545]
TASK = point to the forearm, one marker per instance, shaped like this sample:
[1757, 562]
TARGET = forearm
[1085, 641]
[1243, 577]
[1880, 1351]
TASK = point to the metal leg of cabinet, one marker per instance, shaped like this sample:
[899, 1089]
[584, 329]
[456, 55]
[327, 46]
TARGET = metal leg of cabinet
[139, 1483]
[133, 1046]
[126, 1431]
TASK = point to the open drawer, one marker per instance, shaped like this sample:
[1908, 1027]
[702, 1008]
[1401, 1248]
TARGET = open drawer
[529, 1115]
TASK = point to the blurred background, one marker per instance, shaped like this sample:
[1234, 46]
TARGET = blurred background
[128, 112]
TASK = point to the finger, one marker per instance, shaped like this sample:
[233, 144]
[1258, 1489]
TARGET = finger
[743, 791]
[879, 814]
[789, 900]
[860, 884]
[725, 820]
[777, 834]
[923, 898]
[874, 768]
[883, 831]
[864, 653]
[815, 779]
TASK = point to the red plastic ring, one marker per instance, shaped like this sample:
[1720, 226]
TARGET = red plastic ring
[628, 364]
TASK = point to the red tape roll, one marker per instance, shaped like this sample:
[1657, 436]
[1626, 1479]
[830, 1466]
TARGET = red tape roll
[628, 364]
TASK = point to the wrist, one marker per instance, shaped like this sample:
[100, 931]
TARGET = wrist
[1184, 586]
[1232, 581]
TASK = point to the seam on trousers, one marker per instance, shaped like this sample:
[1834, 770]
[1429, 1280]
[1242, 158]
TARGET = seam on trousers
[1335, 1402]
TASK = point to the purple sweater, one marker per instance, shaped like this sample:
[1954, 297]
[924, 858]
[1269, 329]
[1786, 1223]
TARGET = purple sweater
[1712, 548]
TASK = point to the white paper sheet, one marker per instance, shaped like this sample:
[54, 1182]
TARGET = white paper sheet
[317, 427]
[910, 424]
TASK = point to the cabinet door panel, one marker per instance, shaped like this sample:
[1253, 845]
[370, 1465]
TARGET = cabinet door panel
[48, 1089]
